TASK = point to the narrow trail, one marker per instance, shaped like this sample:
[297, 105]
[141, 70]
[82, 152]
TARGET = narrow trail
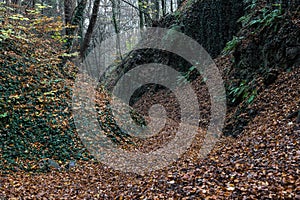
[264, 162]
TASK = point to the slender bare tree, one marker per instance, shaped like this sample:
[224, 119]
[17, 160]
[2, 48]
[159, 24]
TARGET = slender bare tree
[90, 30]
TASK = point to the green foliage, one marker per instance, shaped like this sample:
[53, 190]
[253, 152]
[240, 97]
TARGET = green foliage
[148, 7]
[267, 16]
[35, 116]
[242, 92]
[189, 3]
[258, 17]
[28, 29]
[3, 115]
[251, 4]
[177, 15]
[70, 54]
[231, 45]
[185, 76]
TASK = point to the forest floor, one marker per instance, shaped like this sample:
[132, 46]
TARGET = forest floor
[262, 163]
[36, 123]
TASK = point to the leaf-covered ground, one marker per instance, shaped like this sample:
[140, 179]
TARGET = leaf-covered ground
[37, 130]
[262, 163]
[35, 96]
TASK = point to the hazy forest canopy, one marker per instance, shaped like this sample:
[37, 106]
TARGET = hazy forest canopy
[255, 45]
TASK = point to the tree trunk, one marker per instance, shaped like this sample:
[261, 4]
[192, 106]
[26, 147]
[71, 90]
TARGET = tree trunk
[164, 7]
[210, 23]
[69, 7]
[141, 15]
[146, 12]
[157, 10]
[116, 22]
[14, 1]
[77, 19]
[89, 32]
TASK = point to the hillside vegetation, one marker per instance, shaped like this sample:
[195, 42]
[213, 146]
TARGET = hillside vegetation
[258, 157]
